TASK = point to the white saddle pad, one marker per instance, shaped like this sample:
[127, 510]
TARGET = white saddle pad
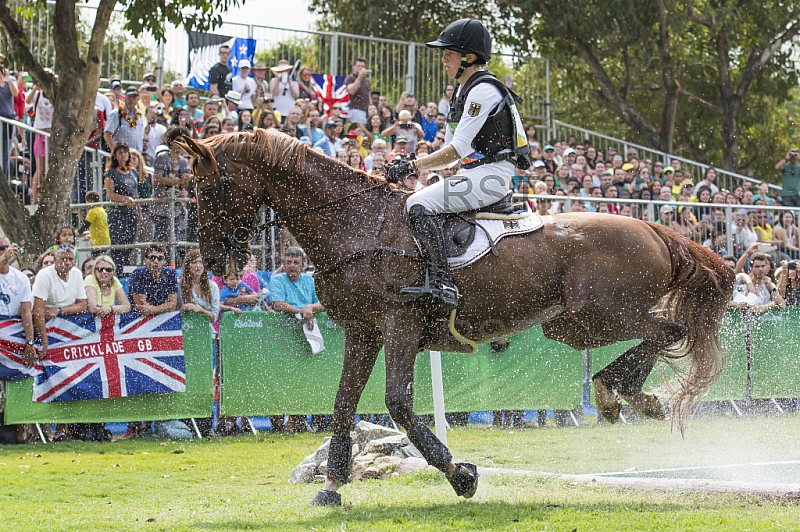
[497, 228]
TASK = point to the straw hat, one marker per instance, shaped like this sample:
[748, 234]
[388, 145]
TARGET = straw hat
[282, 66]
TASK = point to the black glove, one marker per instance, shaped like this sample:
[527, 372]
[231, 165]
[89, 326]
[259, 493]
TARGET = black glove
[400, 169]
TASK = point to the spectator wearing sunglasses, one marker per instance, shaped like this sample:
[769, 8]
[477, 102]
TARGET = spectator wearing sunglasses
[266, 106]
[154, 286]
[104, 293]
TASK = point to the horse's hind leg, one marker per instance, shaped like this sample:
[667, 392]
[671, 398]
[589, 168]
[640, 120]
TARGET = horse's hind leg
[362, 346]
[402, 341]
[627, 373]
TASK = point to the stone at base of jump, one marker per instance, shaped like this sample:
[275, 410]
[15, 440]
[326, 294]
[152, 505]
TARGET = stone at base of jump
[326, 498]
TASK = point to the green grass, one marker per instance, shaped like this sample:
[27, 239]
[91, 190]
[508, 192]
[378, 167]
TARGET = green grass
[241, 483]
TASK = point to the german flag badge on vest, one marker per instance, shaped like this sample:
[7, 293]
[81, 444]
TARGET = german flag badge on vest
[474, 109]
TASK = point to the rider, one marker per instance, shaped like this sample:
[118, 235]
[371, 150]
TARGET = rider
[484, 132]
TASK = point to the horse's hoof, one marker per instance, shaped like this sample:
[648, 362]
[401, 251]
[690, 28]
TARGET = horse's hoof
[646, 405]
[608, 405]
[465, 480]
[326, 498]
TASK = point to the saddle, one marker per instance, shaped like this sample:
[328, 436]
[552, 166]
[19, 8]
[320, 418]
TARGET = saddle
[459, 228]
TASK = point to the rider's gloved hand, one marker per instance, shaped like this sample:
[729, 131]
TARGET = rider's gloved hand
[399, 169]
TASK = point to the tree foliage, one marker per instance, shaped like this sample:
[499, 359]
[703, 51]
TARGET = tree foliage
[419, 21]
[78, 67]
[683, 76]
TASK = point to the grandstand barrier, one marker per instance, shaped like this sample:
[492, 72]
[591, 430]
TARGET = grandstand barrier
[725, 178]
[268, 369]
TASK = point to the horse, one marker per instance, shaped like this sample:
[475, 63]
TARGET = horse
[590, 280]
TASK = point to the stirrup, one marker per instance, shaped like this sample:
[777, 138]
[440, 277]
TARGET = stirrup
[439, 296]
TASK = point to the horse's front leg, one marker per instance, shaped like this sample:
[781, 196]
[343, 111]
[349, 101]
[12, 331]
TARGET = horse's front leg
[362, 345]
[402, 339]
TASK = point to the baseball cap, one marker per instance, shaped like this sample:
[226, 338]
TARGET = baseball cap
[352, 134]
[538, 164]
[148, 75]
[668, 169]
[401, 139]
[161, 149]
[627, 167]
[176, 83]
[687, 182]
[569, 151]
[667, 209]
[116, 84]
[131, 90]
[331, 123]
[244, 63]
[548, 147]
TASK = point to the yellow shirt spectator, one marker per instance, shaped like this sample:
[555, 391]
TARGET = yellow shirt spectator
[98, 226]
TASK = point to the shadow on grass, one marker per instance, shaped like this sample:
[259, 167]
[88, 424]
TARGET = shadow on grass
[457, 515]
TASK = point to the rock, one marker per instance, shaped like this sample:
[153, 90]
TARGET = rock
[373, 472]
[412, 452]
[411, 464]
[321, 454]
[366, 431]
[303, 474]
[322, 468]
[387, 444]
[387, 462]
[356, 449]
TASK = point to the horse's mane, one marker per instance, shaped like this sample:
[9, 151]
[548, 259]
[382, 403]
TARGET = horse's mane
[274, 149]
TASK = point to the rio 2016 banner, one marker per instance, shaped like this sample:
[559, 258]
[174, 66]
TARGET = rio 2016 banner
[268, 369]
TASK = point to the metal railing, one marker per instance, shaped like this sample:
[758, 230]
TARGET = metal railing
[725, 179]
[648, 210]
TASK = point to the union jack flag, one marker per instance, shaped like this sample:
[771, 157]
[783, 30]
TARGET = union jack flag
[114, 356]
[12, 345]
[331, 90]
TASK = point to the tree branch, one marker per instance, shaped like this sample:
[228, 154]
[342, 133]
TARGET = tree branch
[706, 20]
[704, 103]
[756, 60]
[104, 11]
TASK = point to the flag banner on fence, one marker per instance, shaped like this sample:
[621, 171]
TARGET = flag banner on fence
[204, 54]
[114, 356]
[12, 345]
[331, 90]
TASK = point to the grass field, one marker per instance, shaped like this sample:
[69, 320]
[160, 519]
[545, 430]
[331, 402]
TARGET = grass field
[241, 483]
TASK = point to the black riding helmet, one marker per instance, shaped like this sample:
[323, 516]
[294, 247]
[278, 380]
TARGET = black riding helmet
[466, 36]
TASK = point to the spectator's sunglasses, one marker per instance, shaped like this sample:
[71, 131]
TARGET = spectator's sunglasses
[155, 258]
[104, 269]
[3, 247]
[269, 100]
[336, 108]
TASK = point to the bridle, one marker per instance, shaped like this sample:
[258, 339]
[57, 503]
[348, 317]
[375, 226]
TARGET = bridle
[239, 236]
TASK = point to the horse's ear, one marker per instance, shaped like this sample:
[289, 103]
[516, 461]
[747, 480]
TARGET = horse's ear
[192, 148]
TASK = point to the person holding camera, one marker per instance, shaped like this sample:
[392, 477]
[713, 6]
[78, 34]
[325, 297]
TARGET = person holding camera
[358, 88]
[405, 128]
[767, 295]
[790, 178]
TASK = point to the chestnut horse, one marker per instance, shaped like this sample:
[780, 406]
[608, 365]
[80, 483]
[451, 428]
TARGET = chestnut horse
[589, 279]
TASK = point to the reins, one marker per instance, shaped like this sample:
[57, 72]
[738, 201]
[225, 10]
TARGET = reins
[239, 236]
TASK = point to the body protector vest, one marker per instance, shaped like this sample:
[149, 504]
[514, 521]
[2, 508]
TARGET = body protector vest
[502, 137]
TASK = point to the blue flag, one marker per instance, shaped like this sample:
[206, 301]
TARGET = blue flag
[204, 54]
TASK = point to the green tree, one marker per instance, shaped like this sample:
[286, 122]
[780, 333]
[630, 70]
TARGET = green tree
[419, 21]
[73, 96]
[663, 64]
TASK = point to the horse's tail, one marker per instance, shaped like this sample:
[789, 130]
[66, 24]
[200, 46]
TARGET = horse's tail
[697, 296]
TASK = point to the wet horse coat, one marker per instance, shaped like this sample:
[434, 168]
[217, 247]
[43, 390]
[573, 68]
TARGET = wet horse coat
[590, 279]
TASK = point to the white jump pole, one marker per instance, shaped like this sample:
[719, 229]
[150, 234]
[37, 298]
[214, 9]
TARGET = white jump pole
[438, 396]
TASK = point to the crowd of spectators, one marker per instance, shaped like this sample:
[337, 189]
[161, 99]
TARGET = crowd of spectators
[139, 124]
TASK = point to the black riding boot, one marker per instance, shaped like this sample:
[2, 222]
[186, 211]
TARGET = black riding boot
[439, 293]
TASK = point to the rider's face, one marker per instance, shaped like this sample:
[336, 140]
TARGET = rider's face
[452, 61]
